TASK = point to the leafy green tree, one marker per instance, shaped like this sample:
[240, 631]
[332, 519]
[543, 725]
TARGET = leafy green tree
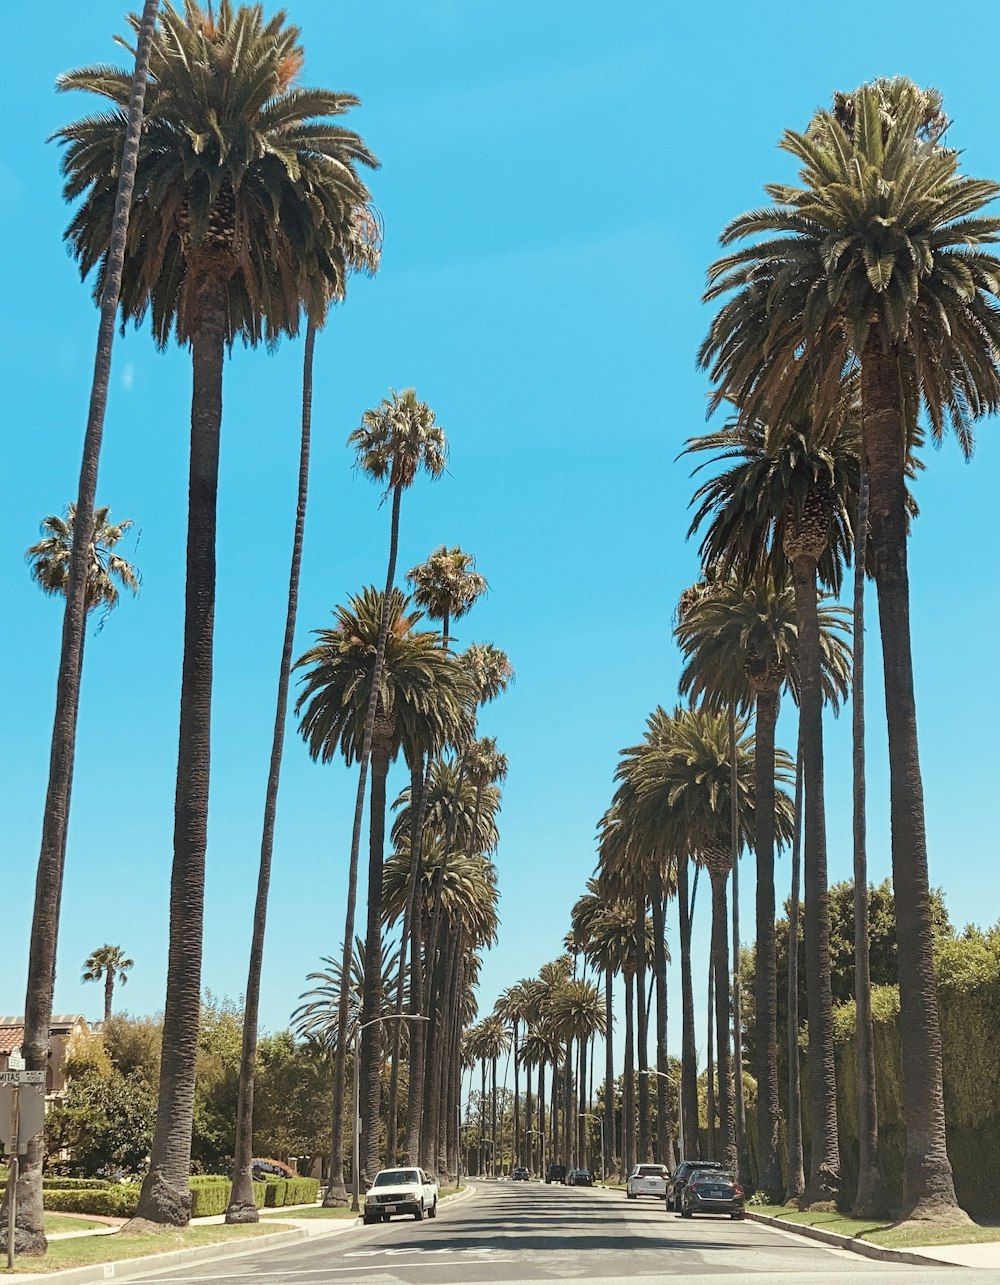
[243, 202]
[877, 261]
[105, 1122]
[108, 964]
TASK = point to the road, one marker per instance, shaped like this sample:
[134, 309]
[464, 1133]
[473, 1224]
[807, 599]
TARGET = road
[527, 1233]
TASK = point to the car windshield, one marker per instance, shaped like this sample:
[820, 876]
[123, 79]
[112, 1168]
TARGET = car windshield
[396, 1177]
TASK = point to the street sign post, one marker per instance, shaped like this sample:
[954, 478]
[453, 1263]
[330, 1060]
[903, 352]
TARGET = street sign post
[22, 1117]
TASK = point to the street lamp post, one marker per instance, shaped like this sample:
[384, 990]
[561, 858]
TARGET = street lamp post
[589, 1115]
[356, 1175]
[680, 1107]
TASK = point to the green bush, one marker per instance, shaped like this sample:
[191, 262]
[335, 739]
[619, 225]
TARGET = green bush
[117, 1201]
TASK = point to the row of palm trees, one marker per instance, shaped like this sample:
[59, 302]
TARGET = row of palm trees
[225, 202]
[860, 300]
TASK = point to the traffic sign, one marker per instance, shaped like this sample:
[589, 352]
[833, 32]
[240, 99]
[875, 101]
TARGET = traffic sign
[30, 1115]
[22, 1077]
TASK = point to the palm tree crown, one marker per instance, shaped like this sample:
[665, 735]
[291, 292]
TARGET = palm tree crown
[240, 174]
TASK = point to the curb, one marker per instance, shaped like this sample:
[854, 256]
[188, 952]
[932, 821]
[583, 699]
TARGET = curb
[851, 1243]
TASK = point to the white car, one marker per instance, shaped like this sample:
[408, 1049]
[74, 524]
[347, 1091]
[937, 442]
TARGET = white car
[647, 1180]
[401, 1191]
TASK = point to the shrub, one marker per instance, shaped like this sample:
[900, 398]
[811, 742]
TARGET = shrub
[117, 1201]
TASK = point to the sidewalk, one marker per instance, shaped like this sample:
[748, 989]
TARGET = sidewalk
[983, 1254]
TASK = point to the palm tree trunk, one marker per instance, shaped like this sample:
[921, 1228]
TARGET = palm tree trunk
[29, 1234]
[417, 797]
[372, 1039]
[824, 1166]
[165, 1196]
[642, 1029]
[739, 1099]
[710, 1064]
[928, 1186]
[766, 970]
[796, 1183]
[870, 1200]
[610, 1150]
[242, 1208]
[689, 1056]
[628, 1077]
[664, 1143]
[720, 959]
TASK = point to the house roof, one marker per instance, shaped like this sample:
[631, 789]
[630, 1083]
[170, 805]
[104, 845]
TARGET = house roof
[11, 1037]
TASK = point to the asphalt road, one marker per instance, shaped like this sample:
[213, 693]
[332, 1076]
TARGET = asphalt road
[527, 1233]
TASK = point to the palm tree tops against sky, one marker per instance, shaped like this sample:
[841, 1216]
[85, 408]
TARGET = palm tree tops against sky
[534, 315]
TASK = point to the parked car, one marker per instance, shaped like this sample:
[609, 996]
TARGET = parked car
[680, 1176]
[520, 1174]
[401, 1191]
[583, 1178]
[647, 1180]
[555, 1173]
[712, 1191]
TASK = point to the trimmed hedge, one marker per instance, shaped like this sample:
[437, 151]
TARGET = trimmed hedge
[116, 1201]
[290, 1191]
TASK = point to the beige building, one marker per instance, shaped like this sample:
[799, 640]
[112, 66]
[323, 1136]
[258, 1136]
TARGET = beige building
[64, 1027]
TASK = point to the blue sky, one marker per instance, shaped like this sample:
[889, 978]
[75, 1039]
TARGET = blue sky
[554, 180]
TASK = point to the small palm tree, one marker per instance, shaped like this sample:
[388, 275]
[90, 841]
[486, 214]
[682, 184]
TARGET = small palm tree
[109, 964]
[49, 559]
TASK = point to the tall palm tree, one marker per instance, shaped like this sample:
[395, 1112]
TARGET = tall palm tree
[362, 255]
[423, 700]
[781, 510]
[30, 1233]
[110, 964]
[881, 263]
[243, 199]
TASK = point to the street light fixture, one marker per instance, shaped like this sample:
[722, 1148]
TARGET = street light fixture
[680, 1107]
[356, 1176]
[589, 1115]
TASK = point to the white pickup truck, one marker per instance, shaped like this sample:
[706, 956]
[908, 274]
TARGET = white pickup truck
[401, 1191]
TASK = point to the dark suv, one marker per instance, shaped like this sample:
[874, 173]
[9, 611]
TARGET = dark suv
[680, 1175]
[556, 1173]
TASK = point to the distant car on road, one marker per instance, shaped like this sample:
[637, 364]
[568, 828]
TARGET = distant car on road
[520, 1174]
[680, 1176]
[401, 1191]
[555, 1173]
[647, 1180]
[712, 1191]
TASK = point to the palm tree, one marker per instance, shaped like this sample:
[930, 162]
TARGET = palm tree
[877, 262]
[363, 254]
[243, 203]
[49, 560]
[30, 1234]
[107, 963]
[447, 586]
[780, 510]
[423, 700]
